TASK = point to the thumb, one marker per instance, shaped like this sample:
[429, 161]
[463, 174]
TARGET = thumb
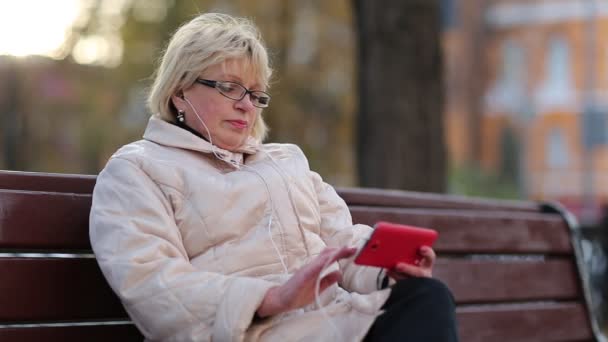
[411, 270]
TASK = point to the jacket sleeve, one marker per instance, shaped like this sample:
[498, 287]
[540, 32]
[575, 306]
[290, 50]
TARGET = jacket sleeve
[337, 230]
[139, 249]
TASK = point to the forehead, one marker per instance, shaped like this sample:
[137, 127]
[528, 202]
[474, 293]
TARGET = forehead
[238, 70]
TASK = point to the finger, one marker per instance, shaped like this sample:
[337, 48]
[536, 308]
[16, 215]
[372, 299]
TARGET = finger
[427, 251]
[428, 257]
[325, 258]
[329, 280]
[312, 269]
[344, 253]
[411, 270]
[396, 275]
[331, 255]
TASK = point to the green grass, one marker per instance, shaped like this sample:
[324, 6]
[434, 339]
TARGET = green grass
[472, 181]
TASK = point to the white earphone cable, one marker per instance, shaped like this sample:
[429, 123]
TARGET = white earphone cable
[318, 303]
[234, 163]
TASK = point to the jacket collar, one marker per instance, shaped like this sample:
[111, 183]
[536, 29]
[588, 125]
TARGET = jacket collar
[165, 133]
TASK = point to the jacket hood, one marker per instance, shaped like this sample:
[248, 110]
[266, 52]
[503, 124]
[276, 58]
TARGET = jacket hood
[165, 133]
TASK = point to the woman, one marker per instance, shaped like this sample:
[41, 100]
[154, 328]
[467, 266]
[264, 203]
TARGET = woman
[206, 234]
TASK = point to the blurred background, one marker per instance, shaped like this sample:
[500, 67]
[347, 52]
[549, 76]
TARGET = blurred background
[522, 109]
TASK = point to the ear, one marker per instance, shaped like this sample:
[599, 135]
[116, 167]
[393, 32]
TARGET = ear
[178, 99]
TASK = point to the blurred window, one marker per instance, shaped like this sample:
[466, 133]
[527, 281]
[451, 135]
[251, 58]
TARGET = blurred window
[558, 63]
[556, 91]
[508, 94]
[513, 66]
[449, 15]
[556, 149]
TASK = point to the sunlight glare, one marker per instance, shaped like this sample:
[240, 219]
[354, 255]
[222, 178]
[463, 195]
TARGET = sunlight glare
[100, 50]
[35, 27]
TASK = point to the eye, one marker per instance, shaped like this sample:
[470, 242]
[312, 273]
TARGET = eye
[230, 88]
[260, 98]
[263, 99]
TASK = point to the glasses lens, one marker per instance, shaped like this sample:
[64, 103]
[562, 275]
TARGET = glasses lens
[231, 90]
[260, 99]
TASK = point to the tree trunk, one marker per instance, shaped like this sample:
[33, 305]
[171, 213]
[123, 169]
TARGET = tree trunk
[400, 121]
[12, 121]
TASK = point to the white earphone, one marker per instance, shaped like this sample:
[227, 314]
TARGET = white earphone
[268, 228]
[238, 165]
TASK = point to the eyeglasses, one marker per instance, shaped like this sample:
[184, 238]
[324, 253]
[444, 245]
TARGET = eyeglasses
[237, 92]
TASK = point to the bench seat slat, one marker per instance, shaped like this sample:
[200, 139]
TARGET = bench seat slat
[470, 231]
[480, 323]
[484, 323]
[45, 289]
[487, 281]
[92, 333]
[524, 323]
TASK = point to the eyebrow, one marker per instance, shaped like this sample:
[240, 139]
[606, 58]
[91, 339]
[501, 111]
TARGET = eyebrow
[235, 78]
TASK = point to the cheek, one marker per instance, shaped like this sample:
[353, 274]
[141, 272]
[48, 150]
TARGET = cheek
[254, 119]
[211, 112]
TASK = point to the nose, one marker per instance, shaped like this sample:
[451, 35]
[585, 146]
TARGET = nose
[245, 103]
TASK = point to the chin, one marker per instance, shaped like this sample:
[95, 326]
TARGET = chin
[231, 144]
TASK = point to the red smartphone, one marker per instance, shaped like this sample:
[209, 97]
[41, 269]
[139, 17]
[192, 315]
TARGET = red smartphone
[391, 243]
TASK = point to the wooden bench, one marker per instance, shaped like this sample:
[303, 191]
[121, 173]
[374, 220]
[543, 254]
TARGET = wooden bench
[512, 266]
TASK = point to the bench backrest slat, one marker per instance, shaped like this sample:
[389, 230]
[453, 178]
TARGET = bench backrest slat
[476, 231]
[409, 199]
[47, 182]
[483, 281]
[60, 220]
[54, 289]
[44, 221]
[536, 322]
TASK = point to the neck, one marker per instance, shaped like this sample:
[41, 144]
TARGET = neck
[190, 129]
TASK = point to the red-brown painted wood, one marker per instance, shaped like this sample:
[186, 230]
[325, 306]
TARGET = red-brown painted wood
[480, 231]
[42, 220]
[44, 289]
[535, 322]
[95, 333]
[49, 182]
[409, 199]
[527, 264]
[486, 281]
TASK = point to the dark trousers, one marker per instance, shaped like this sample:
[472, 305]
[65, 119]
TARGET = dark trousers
[418, 309]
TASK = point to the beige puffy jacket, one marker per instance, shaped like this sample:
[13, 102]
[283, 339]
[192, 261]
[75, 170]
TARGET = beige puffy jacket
[191, 243]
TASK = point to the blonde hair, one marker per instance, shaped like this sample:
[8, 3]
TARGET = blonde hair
[205, 41]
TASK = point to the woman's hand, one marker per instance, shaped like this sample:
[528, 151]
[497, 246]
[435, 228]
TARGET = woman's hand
[299, 290]
[423, 269]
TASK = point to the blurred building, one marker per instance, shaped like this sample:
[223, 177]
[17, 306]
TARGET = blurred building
[527, 95]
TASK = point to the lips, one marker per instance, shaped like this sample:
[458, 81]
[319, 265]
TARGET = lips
[240, 124]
